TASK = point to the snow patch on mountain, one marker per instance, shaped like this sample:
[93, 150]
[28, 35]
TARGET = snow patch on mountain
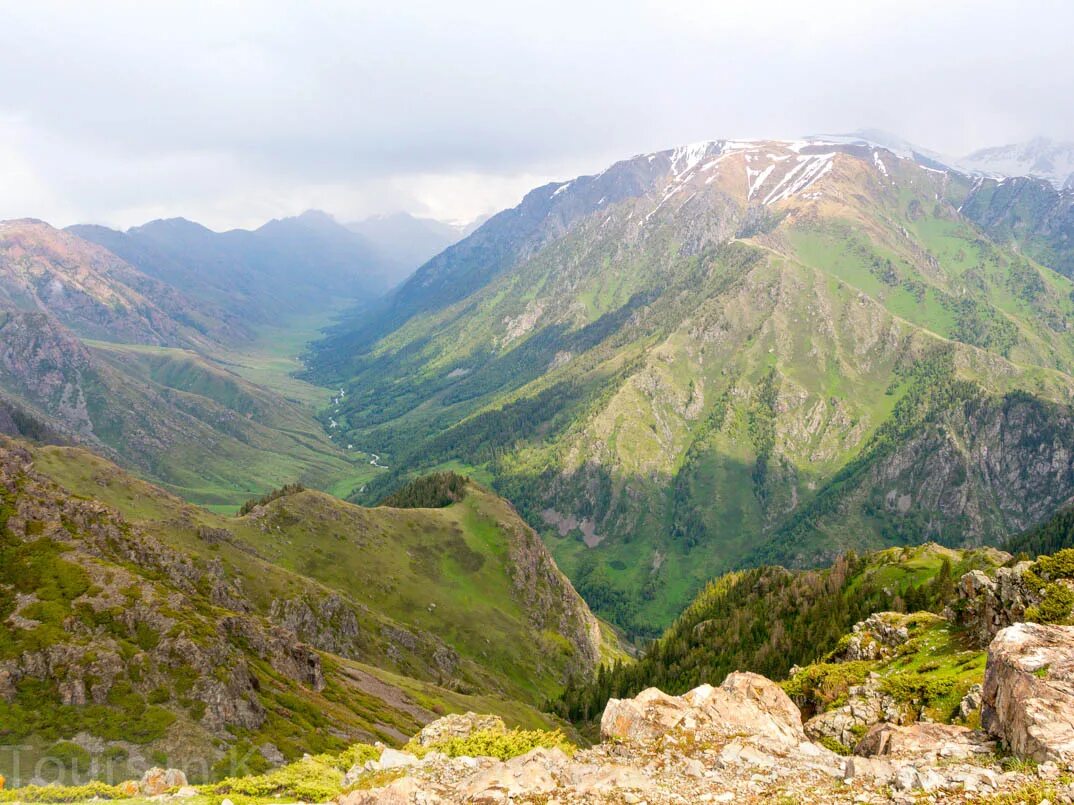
[1041, 158]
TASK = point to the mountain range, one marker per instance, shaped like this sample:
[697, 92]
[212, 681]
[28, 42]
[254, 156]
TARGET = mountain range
[286, 267]
[732, 353]
[717, 396]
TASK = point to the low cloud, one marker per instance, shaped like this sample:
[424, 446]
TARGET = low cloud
[234, 113]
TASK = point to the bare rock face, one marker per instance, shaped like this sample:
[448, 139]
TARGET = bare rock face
[1028, 696]
[459, 726]
[401, 792]
[923, 740]
[745, 703]
[985, 605]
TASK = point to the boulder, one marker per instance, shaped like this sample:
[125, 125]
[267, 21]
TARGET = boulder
[923, 741]
[527, 775]
[1028, 695]
[158, 781]
[875, 638]
[459, 726]
[876, 770]
[745, 704]
[403, 791]
[396, 759]
[648, 715]
[985, 605]
[781, 713]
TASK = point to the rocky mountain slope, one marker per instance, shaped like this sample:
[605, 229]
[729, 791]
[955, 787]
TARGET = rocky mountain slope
[745, 741]
[1030, 215]
[959, 707]
[769, 620]
[171, 414]
[727, 354]
[135, 625]
[96, 294]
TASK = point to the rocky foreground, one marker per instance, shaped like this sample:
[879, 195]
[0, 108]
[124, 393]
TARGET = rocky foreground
[744, 741]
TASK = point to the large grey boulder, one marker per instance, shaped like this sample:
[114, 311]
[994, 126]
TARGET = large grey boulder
[1028, 695]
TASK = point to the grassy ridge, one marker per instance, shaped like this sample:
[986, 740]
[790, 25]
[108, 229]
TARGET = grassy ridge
[417, 612]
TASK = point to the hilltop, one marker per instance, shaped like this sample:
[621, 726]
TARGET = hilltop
[140, 626]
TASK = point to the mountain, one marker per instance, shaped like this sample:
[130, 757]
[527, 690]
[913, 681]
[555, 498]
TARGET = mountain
[141, 627]
[97, 352]
[98, 295]
[723, 355]
[1040, 158]
[288, 267]
[769, 619]
[171, 414]
[904, 703]
[406, 241]
[1028, 214]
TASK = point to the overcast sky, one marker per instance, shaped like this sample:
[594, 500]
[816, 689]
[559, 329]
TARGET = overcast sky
[231, 113]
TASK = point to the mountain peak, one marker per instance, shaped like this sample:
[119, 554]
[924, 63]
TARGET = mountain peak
[1040, 157]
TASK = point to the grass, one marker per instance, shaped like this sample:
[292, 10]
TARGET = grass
[930, 673]
[313, 778]
[445, 572]
[437, 620]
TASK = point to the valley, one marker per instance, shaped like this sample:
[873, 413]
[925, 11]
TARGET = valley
[741, 407]
[725, 355]
[596, 403]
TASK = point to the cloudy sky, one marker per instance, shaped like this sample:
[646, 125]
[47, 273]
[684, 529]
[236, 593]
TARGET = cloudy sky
[233, 113]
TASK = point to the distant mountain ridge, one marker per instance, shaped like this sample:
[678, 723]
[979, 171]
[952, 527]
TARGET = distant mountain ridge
[287, 266]
[98, 295]
[1038, 158]
[406, 241]
[1041, 158]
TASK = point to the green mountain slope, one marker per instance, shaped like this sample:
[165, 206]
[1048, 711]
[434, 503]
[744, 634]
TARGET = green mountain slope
[171, 414]
[770, 619]
[725, 355]
[1030, 214]
[138, 625]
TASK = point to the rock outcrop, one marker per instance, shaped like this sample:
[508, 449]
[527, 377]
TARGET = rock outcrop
[740, 742]
[1028, 696]
[458, 726]
[744, 704]
[924, 741]
[867, 704]
[875, 638]
[985, 604]
[157, 781]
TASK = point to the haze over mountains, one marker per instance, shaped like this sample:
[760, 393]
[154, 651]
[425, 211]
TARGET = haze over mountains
[716, 355]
